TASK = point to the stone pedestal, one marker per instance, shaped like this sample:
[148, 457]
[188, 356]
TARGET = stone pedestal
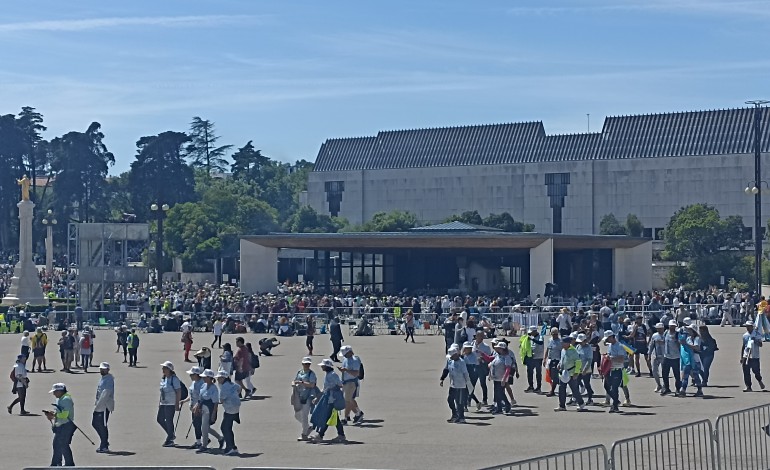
[25, 283]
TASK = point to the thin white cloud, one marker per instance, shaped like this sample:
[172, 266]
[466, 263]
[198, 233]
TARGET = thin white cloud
[134, 21]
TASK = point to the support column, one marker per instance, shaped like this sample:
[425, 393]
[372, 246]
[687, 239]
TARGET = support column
[25, 283]
[540, 268]
[632, 268]
[259, 268]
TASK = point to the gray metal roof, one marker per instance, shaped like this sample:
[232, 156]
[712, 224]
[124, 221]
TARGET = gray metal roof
[717, 132]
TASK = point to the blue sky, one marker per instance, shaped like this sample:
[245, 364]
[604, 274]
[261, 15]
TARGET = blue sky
[289, 74]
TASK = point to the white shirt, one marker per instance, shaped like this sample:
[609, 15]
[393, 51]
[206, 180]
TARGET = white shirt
[25, 341]
[217, 328]
[21, 372]
[565, 323]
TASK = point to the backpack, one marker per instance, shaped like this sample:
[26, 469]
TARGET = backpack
[255, 361]
[86, 343]
[134, 341]
[361, 372]
[605, 366]
[185, 392]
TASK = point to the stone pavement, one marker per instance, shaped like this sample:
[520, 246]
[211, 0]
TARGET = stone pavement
[405, 425]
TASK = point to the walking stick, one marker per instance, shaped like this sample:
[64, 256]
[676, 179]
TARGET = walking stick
[83, 433]
[188, 431]
[177, 420]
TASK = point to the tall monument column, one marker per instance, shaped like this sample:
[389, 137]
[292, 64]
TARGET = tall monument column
[25, 283]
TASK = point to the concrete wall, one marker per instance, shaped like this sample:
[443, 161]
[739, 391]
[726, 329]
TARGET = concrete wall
[632, 268]
[540, 267]
[259, 268]
[651, 188]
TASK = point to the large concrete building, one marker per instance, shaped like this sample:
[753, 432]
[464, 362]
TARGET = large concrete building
[648, 165]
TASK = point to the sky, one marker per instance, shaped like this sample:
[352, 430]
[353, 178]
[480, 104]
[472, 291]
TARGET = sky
[289, 74]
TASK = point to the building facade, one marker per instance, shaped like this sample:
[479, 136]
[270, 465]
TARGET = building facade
[647, 165]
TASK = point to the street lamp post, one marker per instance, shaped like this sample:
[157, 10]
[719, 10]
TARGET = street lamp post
[160, 211]
[755, 190]
[49, 221]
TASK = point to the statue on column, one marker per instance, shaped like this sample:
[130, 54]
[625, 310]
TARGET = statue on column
[25, 183]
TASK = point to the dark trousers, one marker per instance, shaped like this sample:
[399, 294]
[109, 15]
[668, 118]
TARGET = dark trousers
[340, 429]
[749, 366]
[612, 384]
[573, 386]
[409, 333]
[336, 345]
[585, 379]
[481, 372]
[62, 438]
[553, 368]
[309, 343]
[99, 422]
[166, 420]
[21, 398]
[456, 402]
[448, 342]
[668, 366]
[227, 429]
[197, 423]
[534, 370]
[132, 356]
[474, 378]
[217, 338]
[501, 400]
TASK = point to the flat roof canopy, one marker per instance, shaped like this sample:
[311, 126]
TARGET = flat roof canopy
[371, 241]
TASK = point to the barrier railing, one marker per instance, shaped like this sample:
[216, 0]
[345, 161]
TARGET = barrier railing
[586, 458]
[741, 439]
[689, 446]
[133, 467]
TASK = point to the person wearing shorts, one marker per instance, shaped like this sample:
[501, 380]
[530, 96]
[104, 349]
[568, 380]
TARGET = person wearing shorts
[351, 370]
[638, 335]
[242, 365]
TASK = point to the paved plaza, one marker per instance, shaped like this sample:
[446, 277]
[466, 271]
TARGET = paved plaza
[405, 425]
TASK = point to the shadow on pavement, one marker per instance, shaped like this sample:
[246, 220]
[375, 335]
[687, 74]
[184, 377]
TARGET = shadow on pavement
[121, 453]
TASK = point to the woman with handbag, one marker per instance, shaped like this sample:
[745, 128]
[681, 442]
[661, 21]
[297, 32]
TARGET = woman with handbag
[303, 392]
[328, 405]
[20, 384]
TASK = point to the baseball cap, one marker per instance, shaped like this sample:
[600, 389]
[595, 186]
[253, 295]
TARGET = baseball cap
[168, 365]
[567, 339]
[58, 387]
[533, 329]
[580, 338]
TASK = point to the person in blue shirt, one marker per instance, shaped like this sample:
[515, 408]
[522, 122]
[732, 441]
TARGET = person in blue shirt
[351, 371]
[63, 426]
[304, 386]
[332, 384]
[209, 403]
[231, 405]
[459, 382]
[170, 401]
[194, 397]
[105, 404]
[617, 355]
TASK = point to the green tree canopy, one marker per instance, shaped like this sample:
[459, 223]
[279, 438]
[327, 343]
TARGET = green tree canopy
[468, 217]
[202, 149]
[307, 220]
[634, 226]
[610, 225]
[395, 221]
[506, 223]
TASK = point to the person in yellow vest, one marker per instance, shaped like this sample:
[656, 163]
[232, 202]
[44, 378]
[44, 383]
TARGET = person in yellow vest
[531, 349]
[63, 426]
[38, 342]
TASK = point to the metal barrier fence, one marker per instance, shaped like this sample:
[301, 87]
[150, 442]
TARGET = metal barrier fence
[135, 467]
[741, 439]
[689, 446]
[586, 458]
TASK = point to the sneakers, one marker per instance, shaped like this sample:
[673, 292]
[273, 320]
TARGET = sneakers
[560, 408]
[452, 420]
[168, 444]
[614, 409]
[301, 438]
[232, 452]
[590, 401]
[201, 450]
[571, 402]
[582, 408]
[103, 450]
[665, 392]
[513, 402]
[460, 421]
[359, 417]
[478, 406]
[627, 402]
[221, 443]
[196, 445]
[339, 439]
[699, 393]
[747, 389]
[657, 389]
[529, 390]
[761, 384]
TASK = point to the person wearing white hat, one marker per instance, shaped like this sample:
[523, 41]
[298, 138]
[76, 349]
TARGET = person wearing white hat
[691, 360]
[231, 407]
[569, 370]
[170, 401]
[586, 353]
[617, 355]
[63, 426]
[752, 341]
[351, 375]
[671, 358]
[105, 404]
[209, 403]
[303, 393]
[482, 369]
[322, 415]
[471, 362]
[552, 358]
[532, 349]
[657, 351]
[25, 343]
[194, 398]
[459, 382]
